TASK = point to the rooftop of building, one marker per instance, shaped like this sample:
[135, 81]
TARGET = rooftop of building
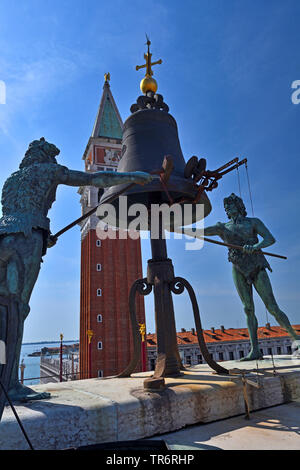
[218, 335]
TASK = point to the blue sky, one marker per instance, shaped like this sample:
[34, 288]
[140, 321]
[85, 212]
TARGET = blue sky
[226, 75]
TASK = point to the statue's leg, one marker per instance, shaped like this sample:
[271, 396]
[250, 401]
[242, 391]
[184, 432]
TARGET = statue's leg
[30, 251]
[246, 295]
[14, 381]
[3, 286]
[265, 291]
[11, 277]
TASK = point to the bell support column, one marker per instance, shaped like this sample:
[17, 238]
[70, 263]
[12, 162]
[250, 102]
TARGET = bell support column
[160, 274]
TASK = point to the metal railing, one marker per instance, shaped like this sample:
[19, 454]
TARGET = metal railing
[51, 376]
[62, 369]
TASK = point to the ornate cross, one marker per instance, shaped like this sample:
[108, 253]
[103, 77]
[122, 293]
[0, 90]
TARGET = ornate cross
[148, 63]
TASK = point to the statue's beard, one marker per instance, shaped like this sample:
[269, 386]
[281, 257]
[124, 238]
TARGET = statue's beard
[53, 160]
[233, 216]
[37, 157]
[228, 215]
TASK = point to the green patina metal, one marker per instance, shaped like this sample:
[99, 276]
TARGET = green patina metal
[27, 196]
[110, 126]
[249, 266]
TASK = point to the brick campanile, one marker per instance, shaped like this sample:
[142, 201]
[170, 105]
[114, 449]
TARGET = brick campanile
[108, 267]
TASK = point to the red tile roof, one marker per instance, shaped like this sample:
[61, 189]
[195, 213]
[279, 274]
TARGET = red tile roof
[229, 335]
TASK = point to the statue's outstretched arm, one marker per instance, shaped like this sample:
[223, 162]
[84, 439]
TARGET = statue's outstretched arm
[217, 229]
[103, 179]
[208, 231]
[192, 232]
[214, 230]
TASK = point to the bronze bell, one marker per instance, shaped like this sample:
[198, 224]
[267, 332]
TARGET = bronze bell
[149, 134]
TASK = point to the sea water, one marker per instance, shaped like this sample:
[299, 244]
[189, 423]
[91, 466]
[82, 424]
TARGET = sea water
[32, 364]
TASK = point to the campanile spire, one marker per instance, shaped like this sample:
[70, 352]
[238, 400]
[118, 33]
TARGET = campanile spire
[108, 266]
[108, 123]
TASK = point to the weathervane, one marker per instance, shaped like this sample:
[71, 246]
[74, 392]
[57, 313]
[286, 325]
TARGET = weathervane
[148, 83]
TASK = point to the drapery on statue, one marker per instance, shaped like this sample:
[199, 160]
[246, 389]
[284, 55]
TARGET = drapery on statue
[249, 266]
[27, 196]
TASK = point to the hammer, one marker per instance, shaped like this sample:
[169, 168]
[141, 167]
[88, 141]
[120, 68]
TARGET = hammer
[163, 174]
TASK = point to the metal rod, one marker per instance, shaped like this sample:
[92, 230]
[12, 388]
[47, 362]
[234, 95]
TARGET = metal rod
[235, 160]
[61, 361]
[242, 162]
[49, 376]
[217, 174]
[92, 211]
[65, 229]
[238, 247]
[228, 245]
[246, 399]
[16, 415]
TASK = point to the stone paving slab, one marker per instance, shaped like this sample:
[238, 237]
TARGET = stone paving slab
[103, 410]
[275, 428]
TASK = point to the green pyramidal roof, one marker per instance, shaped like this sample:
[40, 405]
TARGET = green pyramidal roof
[108, 122]
[109, 125]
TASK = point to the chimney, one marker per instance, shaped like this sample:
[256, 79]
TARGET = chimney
[212, 329]
[268, 326]
[183, 330]
[222, 329]
[193, 331]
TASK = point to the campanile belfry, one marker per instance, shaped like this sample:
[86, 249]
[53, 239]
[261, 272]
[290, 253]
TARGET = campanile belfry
[108, 267]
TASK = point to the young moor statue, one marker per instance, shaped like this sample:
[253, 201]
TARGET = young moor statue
[249, 266]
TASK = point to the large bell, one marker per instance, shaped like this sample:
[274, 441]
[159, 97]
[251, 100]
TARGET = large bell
[149, 134]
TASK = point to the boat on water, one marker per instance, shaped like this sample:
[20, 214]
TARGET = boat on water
[55, 350]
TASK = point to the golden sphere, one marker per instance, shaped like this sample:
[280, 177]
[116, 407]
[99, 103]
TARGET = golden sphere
[148, 84]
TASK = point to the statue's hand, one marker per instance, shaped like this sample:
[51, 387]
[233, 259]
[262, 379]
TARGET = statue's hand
[249, 249]
[141, 177]
[51, 241]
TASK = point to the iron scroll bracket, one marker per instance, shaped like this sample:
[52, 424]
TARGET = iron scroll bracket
[142, 287]
[177, 286]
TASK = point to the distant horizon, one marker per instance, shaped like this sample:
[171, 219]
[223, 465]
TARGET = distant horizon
[50, 341]
[149, 333]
